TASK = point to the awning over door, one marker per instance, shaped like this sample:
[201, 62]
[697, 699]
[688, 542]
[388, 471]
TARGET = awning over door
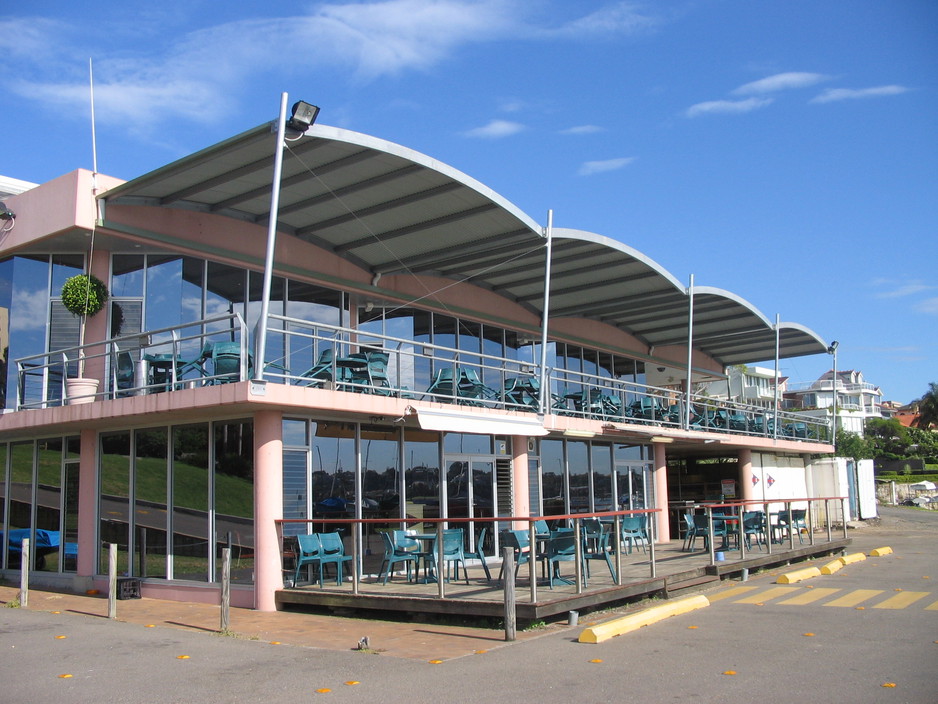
[487, 424]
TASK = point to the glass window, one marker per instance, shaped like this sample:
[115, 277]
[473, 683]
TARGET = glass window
[127, 275]
[150, 501]
[114, 507]
[333, 478]
[21, 491]
[190, 502]
[579, 473]
[48, 504]
[3, 495]
[234, 497]
[603, 499]
[421, 475]
[552, 477]
[28, 290]
[466, 443]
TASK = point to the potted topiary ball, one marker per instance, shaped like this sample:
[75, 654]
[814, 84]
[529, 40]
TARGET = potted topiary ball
[83, 295]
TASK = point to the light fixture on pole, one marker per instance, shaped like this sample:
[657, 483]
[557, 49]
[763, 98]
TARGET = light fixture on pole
[832, 350]
[303, 116]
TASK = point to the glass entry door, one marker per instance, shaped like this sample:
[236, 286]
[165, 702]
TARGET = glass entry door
[471, 493]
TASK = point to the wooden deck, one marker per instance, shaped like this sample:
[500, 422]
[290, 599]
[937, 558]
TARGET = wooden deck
[675, 571]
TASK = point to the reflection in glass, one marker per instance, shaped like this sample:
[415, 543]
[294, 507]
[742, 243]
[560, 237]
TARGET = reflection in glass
[552, 477]
[150, 489]
[578, 467]
[234, 497]
[114, 490]
[190, 502]
[48, 504]
[21, 488]
[603, 499]
[421, 476]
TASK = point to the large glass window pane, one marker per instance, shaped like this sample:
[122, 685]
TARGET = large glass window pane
[333, 478]
[164, 291]
[381, 477]
[29, 316]
[552, 477]
[150, 489]
[21, 498]
[466, 443]
[114, 509]
[190, 502]
[276, 343]
[70, 519]
[578, 468]
[3, 496]
[421, 476]
[234, 497]
[48, 504]
[312, 304]
[602, 478]
[127, 275]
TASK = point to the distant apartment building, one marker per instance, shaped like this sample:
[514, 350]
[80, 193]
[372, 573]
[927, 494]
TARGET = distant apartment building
[857, 399]
[749, 385]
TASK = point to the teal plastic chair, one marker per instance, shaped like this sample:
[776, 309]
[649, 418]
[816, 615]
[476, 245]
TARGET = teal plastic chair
[793, 520]
[124, 373]
[690, 532]
[561, 547]
[332, 553]
[754, 525]
[453, 553]
[378, 373]
[479, 553]
[596, 545]
[703, 529]
[541, 527]
[308, 552]
[396, 554]
[226, 363]
[520, 543]
[320, 372]
[633, 531]
[471, 389]
[442, 388]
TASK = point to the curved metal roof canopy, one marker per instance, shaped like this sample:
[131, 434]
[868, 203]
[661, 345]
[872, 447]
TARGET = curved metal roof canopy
[390, 209]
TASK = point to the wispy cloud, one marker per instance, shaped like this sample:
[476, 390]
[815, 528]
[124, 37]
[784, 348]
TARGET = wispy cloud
[496, 129]
[186, 73]
[583, 129]
[597, 167]
[781, 81]
[907, 288]
[715, 107]
[929, 306]
[834, 94]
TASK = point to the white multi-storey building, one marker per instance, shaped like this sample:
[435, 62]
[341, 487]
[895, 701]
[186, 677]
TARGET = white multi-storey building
[857, 399]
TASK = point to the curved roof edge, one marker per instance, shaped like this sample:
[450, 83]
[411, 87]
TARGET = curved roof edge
[739, 300]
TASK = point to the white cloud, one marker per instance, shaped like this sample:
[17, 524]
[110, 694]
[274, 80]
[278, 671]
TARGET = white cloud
[713, 107]
[583, 129]
[834, 94]
[617, 18]
[597, 167]
[908, 288]
[781, 81]
[929, 306]
[496, 129]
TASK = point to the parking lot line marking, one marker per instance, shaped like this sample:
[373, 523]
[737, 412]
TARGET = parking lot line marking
[932, 607]
[768, 594]
[855, 597]
[735, 591]
[901, 600]
[810, 596]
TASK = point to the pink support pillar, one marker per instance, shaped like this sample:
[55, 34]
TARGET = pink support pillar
[268, 507]
[87, 502]
[661, 492]
[521, 498]
[747, 488]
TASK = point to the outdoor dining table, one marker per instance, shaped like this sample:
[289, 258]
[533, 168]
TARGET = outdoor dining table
[160, 370]
[726, 541]
[429, 557]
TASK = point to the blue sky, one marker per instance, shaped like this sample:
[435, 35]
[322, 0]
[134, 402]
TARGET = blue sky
[784, 150]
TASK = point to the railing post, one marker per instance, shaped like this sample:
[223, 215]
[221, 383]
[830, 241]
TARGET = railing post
[810, 522]
[532, 560]
[112, 581]
[24, 573]
[617, 544]
[741, 534]
[843, 513]
[652, 537]
[710, 536]
[827, 515]
[440, 562]
[357, 556]
[768, 528]
[791, 527]
[578, 555]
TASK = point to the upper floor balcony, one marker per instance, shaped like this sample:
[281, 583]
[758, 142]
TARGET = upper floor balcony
[303, 353]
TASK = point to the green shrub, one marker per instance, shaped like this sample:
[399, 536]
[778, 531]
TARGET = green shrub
[84, 295]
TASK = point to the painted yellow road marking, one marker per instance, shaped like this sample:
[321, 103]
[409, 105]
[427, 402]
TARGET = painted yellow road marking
[810, 596]
[901, 600]
[729, 593]
[932, 607]
[855, 597]
[768, 594]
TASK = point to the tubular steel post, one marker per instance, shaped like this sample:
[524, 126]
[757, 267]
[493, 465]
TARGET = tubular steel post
[578, 555]
[790, 522]
[24, 574]
[544, 394]
[225, 624]
[810, 522]
[740, 535]
[532, 560]
[508, 569]
[112, 581]
[652, 536]
[617, 543]
[827, 514]
[768, 528]
[357, 556]
[843, 513]
[440, 562]
[713, 557]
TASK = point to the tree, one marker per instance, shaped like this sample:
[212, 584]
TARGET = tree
[852, 445]
[928, 408]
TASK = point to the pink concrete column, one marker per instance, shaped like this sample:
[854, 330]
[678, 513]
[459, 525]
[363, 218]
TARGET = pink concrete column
[521, 497]
[87, 502]
[268, 507]
[96, 326]
[661, 492]
[747, 488]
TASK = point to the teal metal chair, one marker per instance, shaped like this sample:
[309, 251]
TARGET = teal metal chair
[309, 552]
[332, 553]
